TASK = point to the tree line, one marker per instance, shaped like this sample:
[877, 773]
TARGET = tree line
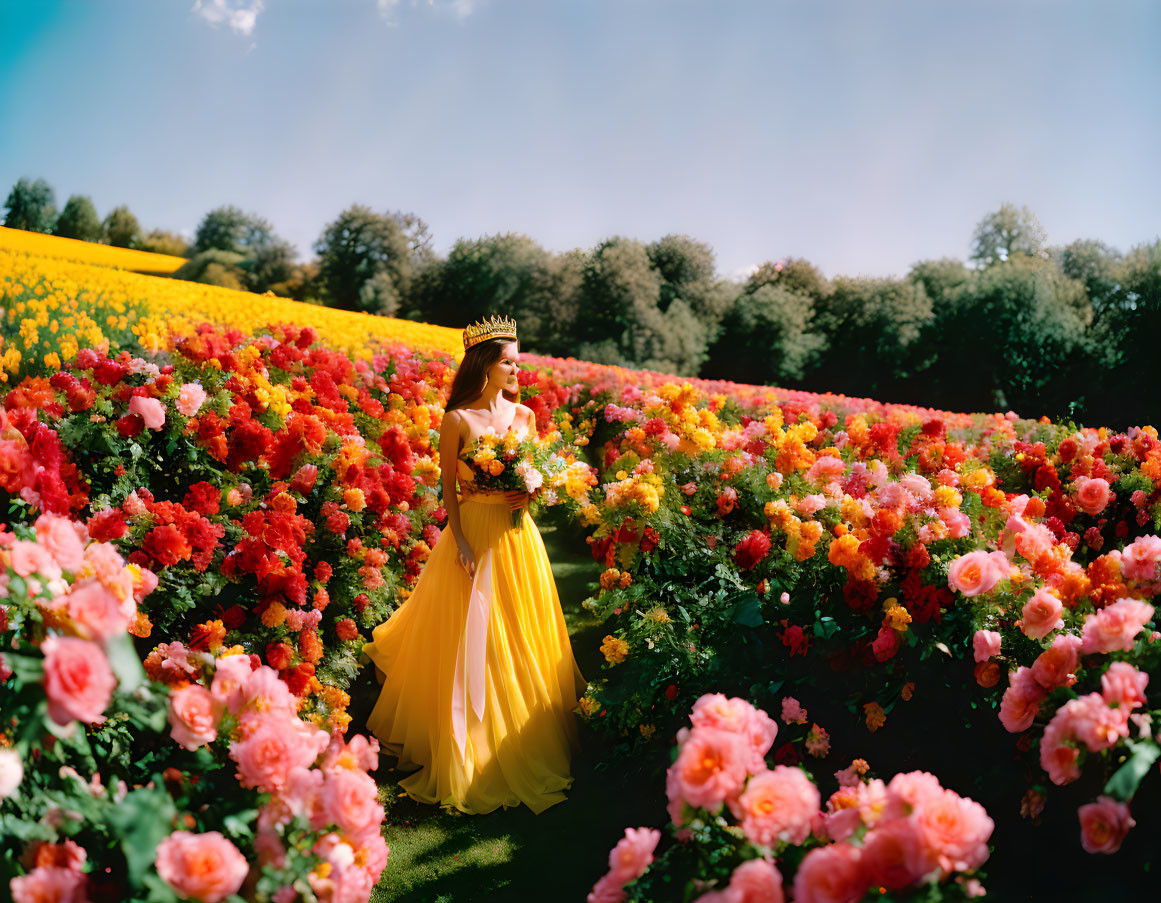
[1065, 331]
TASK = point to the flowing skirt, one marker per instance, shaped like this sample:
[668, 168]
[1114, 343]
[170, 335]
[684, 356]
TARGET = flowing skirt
[478, 693]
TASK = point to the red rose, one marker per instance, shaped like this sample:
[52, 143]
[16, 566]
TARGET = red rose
[751, 550]
[671, 692]
[279, 655]
[794, 638]
[322, 572]
[204, 498]
[130, 426]
[167, 545]
[346, 629]
[107, 525]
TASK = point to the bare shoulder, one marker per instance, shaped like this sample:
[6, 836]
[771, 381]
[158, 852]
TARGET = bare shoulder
[525, 415]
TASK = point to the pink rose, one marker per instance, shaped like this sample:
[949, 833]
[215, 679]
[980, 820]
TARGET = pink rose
[607, 890]
[230, 673]
[985, 644]
[755, 881]
[957, 522]
[1092, 494]
[1103, 825]
[1055, 666]
[1139, 559]
[809, 504]
[830, 874]
[262, 692]
[193, 716]
[28, 558]
[1123, 686]
[713, 710]
[190, 399]
[350, 800]
[629, 859]
[49, 885]
[777, 805]
[890, 852]
[204, 867]
[1021, 702]
[96, 612]
[77, 680]
[1041, 615]
[710, 768]
[64, 539]
[1059, 756]
[1093, 723]
[1116, 626]
[954, 831]
[792, 711]
[908, 791]
[974, 574]
[150, 410]
[274, 746]
[11, 772]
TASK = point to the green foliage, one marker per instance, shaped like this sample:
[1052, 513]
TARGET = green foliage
[121, 229]
[765, 337]
[78, 220]
[160, 241]
[215, 267]
[31, 205]
[359, 247]
[1005, 233]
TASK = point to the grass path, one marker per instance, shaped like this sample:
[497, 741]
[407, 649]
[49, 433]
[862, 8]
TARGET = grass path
[448, 857]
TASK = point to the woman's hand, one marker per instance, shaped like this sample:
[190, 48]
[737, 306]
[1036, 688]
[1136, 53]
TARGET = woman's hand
[516, 499]
[466, 557]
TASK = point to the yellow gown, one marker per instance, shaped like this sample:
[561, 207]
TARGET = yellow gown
[478, 693]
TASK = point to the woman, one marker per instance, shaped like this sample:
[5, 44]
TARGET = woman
[479, 680]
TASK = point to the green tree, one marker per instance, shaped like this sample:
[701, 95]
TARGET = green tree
[1006, 232]
[794, 274]
[1098, 267]
[227, 228]
[264, 259]
[31, 205]
[161, 241]
[620, 320]
[215, 267]
[78, 220]
[940, 278]
[765, 338]
[121, 229]
[1005, 339]
[872, 329]
[359, 246]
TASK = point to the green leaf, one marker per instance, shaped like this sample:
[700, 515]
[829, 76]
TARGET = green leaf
[125, 662]
[747, 611]
[1124, 783]
[29, 669]
[143, 820]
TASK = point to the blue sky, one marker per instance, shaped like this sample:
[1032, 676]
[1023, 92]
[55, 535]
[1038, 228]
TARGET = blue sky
[861, 135]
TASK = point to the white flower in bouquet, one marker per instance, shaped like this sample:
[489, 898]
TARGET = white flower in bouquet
[532, 477]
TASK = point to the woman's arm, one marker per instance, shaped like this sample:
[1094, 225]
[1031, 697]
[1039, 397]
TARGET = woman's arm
[449, 448]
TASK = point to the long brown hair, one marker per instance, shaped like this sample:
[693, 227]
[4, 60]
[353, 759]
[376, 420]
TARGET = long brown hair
[472, 374]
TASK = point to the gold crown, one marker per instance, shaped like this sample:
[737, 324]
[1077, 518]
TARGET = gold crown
[491, 328]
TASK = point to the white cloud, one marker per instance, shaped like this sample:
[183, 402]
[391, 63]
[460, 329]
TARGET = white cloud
[240, 15]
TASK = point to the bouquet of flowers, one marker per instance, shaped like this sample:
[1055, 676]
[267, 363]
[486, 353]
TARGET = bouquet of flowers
[516, 462]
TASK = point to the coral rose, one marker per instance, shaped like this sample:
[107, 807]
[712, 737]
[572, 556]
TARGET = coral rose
[1103, 825]
[985, 644]
[890, 852]
[350, 800]
[830, 874]
[77, 680]
[96, 613]
[150, 410]
[1055, 666]
[975, 573]
[629, 859]
[193, 716]
[1021, 702]
[1123, 686]
[954, 831]
[1092, 494]
[755, 881]
[710, 768]
[1115, 627]
[274, 746]
[777, 805]
[1041, 615]
[49, 885]
[205, 867]
[64, 539]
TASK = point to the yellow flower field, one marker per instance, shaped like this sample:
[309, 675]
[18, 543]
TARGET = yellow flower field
[52, 307]
[40, 245]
